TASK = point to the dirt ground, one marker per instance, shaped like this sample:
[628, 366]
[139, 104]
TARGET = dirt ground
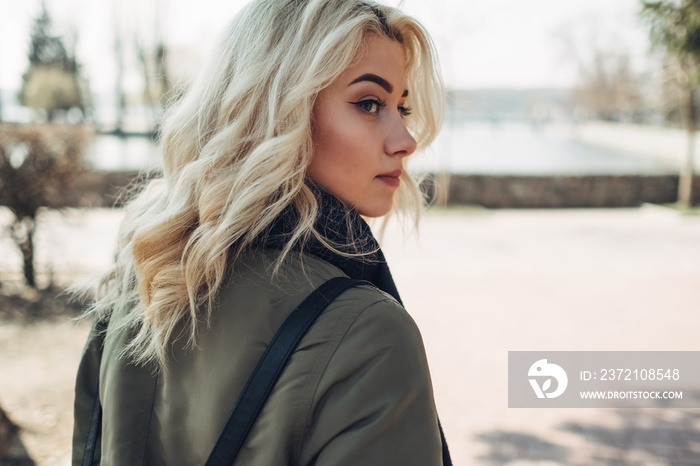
[38, 362]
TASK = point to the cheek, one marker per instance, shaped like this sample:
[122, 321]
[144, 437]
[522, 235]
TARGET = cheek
[339, 147]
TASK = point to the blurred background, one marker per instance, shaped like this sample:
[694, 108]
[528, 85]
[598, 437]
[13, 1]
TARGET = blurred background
[563, 191]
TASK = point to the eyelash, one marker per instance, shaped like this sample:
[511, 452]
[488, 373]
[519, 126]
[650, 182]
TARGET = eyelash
[362, 104]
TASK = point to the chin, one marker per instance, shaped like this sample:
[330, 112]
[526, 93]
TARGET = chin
[375, 210]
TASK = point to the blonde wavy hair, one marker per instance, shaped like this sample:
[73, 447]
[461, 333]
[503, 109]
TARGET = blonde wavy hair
[235, 152]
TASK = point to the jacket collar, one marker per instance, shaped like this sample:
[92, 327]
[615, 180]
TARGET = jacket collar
[342, 227]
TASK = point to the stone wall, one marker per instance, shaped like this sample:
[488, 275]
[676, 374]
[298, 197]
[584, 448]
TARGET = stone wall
[103, 189]
[557, 191]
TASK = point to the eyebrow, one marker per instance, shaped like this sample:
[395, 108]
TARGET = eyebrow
[377, 80]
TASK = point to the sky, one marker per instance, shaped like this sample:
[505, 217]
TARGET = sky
[481, 43]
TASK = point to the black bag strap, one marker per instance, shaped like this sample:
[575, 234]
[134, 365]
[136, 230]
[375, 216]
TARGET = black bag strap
[91, 443]
[446, 458]
[270, 366]
[96, 418]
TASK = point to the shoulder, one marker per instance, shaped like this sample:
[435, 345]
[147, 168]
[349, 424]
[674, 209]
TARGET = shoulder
[358, 314]
[372, 402]
[361, 326]
[377, 318]
[259, 268]
[378, 330]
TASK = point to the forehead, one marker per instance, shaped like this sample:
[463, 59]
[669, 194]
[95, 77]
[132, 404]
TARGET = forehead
[380, 56]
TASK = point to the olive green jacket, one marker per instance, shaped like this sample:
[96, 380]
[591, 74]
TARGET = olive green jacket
[356, 391]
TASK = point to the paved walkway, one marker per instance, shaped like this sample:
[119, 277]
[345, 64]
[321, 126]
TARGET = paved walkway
[480, 283]
[486, 282]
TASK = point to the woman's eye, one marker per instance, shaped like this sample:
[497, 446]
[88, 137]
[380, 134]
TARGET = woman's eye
[405, 111]
[369, 105]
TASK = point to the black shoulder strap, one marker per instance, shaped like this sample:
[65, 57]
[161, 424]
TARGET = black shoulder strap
[270, 366]
[91, 443]
[446, 458]
[96, 419]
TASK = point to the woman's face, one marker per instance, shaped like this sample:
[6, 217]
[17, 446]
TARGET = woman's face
[359, 134]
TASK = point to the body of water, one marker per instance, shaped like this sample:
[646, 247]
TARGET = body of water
[522, 149]
[466, 148]
[133, 153]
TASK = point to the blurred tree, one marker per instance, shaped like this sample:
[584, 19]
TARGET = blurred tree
[52, 81]
[139, 40]
[675, 26]
[1, 96]
[153, 58]
[609, 88]
[12, 450]
[38, 166]
[119, 58]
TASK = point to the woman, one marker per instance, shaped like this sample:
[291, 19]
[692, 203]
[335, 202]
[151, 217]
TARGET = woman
[298, 126]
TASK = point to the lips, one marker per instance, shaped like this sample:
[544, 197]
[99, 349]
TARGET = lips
[391, 178]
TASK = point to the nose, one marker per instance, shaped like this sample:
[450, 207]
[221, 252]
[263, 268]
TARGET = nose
[399, 141]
